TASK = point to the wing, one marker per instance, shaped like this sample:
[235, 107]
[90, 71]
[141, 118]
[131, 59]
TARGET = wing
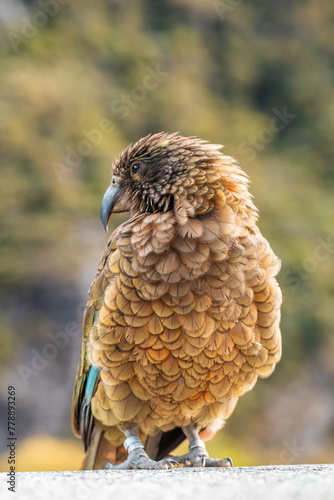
[88, 376]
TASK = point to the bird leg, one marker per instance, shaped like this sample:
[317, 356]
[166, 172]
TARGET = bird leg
[137, 456]
[198, 456]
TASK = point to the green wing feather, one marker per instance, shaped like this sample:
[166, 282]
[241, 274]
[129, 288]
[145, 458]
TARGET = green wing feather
[88, 376]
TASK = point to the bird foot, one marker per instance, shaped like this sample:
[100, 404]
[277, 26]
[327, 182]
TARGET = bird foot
[138, 459]
[199, 457]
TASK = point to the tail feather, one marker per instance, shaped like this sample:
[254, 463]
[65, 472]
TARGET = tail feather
[100, 452]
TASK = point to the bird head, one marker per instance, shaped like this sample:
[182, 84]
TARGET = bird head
[163, 172]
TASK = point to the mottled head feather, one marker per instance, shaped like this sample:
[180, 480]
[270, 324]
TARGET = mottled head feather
[176, 169]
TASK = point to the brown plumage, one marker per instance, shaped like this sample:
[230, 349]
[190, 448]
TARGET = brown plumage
[183, 315]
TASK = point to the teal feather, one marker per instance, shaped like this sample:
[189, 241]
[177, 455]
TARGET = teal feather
[86, 417]
[91, 381]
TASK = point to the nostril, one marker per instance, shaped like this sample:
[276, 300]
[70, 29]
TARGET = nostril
[114, 181]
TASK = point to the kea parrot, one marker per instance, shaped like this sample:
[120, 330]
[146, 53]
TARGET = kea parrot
[183, 314]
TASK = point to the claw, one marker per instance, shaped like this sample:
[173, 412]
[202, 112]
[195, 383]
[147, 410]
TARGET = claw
[203, 461]
[174, 462]
[170, 463]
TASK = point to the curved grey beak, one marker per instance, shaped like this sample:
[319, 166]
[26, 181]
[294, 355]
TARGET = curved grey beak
[107, 205]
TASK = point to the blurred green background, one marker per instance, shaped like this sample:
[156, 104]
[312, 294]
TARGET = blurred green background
[79, 80]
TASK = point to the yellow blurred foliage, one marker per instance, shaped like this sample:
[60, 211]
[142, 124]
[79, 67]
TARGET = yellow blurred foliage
[45, 453]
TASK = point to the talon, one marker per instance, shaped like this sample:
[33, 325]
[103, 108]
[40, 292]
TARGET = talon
[108, 466]
[174, 462]
[168, 463]
[230, 461]
[203, 461]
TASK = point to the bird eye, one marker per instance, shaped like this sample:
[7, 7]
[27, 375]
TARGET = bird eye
[135, 168]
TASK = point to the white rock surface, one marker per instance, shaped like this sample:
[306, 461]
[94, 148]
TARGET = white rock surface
[286, 482]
